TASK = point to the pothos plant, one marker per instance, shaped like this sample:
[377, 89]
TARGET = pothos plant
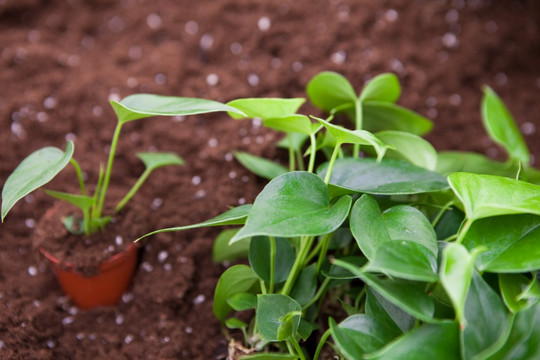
[388, 249]
[43, 165]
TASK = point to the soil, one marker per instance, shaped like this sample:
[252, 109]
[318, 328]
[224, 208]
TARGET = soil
[62, 60]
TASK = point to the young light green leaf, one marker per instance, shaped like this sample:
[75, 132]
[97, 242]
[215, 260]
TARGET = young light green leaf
[36, 170]
[242, 301]
[294, 204]
[362, 137]
[236, 279]
[234, 323]
[487, 322]
[489, 195]
[264, 108]
[291, 123]
[288, 326]
[153, 161]
[380, 115]
[223, 251]
[139, 106]
[234, 216]
[502, 128]
[409, 147]
[389, 177]
[82, 202]
[511, 243]
[260, 166]
[260, 258]
[271, 309]
[329, 90]
[430, 341]
[517, 291]
[383, 87]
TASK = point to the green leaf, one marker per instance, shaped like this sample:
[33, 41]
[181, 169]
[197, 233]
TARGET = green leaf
[234, 323]
[294, 204]
[271, 309]
[409, 147]
[306, 285]
[449, 223]
[288, 325]
[297, 139]
[362, 137]
[489, 195]
[306, 328]
[511, 243]
[502, 128]
[459, 161]
[487, 322]
[260, 166]
[389, 177]
[242, 301]
[81, 201]
[223, 251]
[430, 341]
[234, 216]
[259, 258]
[291, 123]
[392, 316]
[456, 271]
[139, 106]
[518, 292]
[155, 160]
[36, 170]
[379, 115]
[339, 273]
[328, 90]
[269, 356]
[264, 108]
[236, 279]
[383, 87]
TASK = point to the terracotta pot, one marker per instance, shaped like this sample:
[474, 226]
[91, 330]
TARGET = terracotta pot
[104, 288]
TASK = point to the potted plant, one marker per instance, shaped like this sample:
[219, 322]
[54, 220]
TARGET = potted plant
[410, 254]
[101, 278]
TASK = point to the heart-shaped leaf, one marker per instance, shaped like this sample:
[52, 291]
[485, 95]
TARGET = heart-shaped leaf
[235, 280]
[384, 311]
[260, 166]
[329, 90]
[139, 106]
[155, 160]
[264, 108]
[222, 251]
[502, 128]
[291, 123]
[409, 147]
[381, 115]
[36, 170]
[518, 292]
[260, 260]
[271, 309]
[490, 195]
[389, 177]
[383, 87]
[306, 285]
[294, 204]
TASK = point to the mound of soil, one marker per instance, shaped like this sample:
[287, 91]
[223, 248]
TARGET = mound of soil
[62, 60]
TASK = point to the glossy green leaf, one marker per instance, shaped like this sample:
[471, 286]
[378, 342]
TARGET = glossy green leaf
[430, 341]
[306, 328]
[380, 115]
[234, 216]
[389, 177]
[139, 106]
[449, 223]
[242, 301]
[264, 108]
[459, 161]
[502, 128]
[306, 285]
[260, 166]
[392, 316]
[409, 147]
[294, 204]
[271, 308]
[259, 258]
[223, 251]
[383, 87]
[36, 170]
[291, 123]
[456, 271]
[328, 90]
[340, 273]
[288, 325]
[269, 356]
[511, 243]
[236, 279]
[82, 202]
[487, 322]
[234, 323]
[362, 137]
[489, 195]
[155, 160]
[518, 292]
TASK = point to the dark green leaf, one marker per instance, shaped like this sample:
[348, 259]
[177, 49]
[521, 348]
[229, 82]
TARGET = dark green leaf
[518, 292]
[236, 279]
[260, 166]
[340, 273]
[271, 308]
[306, 285]
[259, 258]
[392, 316]
[449, 223]
[306, 328]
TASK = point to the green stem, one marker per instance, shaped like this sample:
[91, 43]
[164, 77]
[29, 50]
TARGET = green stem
[96, 192]
[133, 190]
[87, 220]
[463, 230]
[107, 177]
[441, 213]
[272, 264]
[312, 155]
[324, 337]
[314, 252]
[292, 164]
[298, 349]
[358, 124]
[320, 292]
[79, 175]
[331, 163]
[324, 249]
[299, 160]
[305, 246]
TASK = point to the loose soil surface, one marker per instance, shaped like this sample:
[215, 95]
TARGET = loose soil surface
[62, 60]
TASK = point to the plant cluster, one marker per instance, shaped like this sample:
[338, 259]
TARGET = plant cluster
[387, 249]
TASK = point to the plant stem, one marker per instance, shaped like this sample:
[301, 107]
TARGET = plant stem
[312, 155]
[320, 292]
[86, 221]
[358, 124]
[324, 249]
[441, 213]
[298, 349]
[133, 190]
[324, 337]
[107, 177]
[292, 164]
[272, 264]
[331, 163]
[305, 246]
[463, 230]
[79, 175]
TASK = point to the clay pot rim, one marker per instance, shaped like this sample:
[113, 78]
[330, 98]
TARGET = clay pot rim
[103, 266]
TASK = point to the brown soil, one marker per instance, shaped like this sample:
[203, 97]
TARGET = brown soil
[62, 60]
